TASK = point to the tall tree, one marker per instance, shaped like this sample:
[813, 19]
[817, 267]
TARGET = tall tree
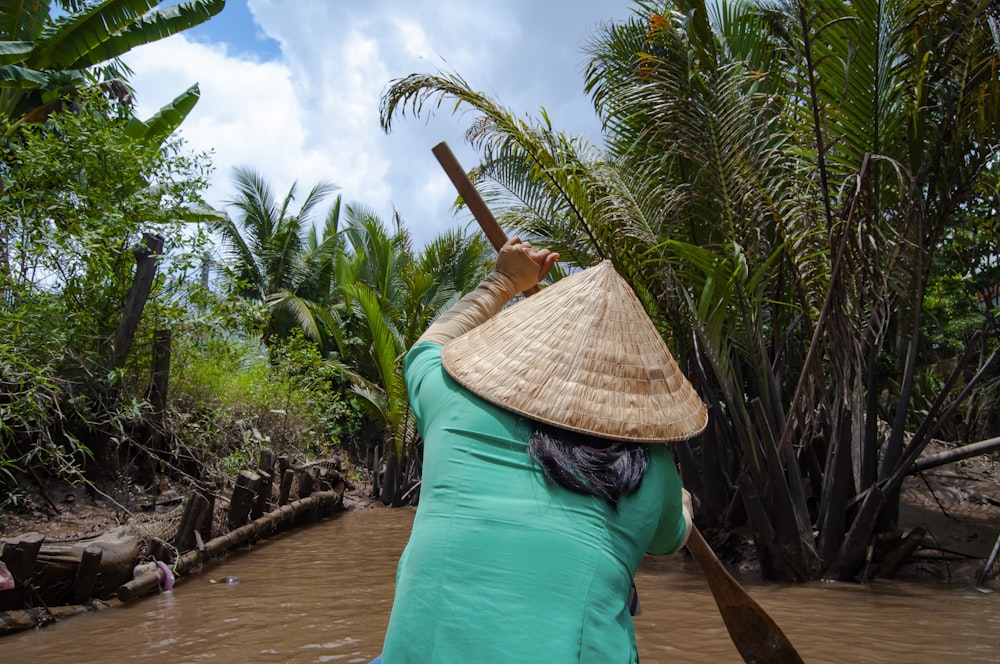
[390, 297]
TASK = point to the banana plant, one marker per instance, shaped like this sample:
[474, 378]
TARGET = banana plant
[46, 54]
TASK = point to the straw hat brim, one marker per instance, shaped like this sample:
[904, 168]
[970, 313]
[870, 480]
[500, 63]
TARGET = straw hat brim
[581, 355]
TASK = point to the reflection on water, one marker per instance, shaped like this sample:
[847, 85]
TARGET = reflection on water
[323, 594]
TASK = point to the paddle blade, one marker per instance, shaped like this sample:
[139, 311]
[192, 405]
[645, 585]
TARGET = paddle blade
[756, 636]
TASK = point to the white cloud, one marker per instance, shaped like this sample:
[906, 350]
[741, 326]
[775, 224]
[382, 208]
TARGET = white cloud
[313, 113]
[248, 113]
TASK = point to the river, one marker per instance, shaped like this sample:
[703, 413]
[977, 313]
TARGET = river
[323, 594]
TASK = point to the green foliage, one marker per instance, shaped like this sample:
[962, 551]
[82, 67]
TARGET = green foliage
[276, 257]
[777, 181]
[76, 197]
[49, 56]
[229, 399]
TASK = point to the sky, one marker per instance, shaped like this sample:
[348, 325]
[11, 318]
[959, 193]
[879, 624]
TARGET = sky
[291, 89]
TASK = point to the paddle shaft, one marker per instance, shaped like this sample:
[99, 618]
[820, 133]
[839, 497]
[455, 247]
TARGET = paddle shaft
[472, 199]
[756, 636]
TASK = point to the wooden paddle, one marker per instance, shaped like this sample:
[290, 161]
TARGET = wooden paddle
[756, 636]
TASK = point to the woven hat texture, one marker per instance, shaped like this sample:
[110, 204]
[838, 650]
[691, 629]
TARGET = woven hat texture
[581, 355]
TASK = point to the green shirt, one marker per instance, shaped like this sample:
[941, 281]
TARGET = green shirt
[502, 566]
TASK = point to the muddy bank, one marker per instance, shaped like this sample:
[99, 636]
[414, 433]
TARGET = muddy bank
[82, 549]
[955, 511]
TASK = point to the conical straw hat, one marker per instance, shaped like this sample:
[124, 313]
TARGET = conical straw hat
[581, 355]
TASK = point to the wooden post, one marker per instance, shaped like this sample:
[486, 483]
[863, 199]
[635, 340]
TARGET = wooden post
[146, 258]
[86, 573]
[192, 521]
[19, 556]
[157, 393]
[286, 486]
[263, 500]
[266, 461]
[306, 481]
[895, 558]
[244, 497]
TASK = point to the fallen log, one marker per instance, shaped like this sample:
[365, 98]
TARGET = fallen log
[321, 502]
[956, 454]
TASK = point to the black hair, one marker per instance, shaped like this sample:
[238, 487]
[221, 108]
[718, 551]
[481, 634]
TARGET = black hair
[587, 464]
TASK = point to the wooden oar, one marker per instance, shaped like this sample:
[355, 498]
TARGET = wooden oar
[754, 633]
[756, 636]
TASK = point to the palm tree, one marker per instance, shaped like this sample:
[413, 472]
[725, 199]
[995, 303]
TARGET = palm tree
[280, 261]
[390, 296]
[770, 172]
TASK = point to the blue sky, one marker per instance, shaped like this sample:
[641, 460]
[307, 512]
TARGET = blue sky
[291, 88]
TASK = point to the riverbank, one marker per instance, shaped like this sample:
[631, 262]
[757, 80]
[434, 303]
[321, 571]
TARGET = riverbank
[956, 507]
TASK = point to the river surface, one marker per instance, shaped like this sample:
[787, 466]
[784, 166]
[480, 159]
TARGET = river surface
[323, 594]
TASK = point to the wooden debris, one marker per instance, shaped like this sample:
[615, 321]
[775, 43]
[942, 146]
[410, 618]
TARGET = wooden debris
[320, 503]
[100, 567]
[86, 572]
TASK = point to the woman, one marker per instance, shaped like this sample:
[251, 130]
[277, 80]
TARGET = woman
[541, 488]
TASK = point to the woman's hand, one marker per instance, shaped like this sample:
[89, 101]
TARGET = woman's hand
[524, 265]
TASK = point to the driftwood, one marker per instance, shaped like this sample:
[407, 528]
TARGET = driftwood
[57, 567]
[57, 573]
[97, 568]
[321, 503]
[147, 257]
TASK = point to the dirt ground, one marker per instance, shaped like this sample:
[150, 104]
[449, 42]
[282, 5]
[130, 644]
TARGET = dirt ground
[958, 505]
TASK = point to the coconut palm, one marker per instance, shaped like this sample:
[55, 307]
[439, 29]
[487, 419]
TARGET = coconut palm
[279, 260]
[390, 296]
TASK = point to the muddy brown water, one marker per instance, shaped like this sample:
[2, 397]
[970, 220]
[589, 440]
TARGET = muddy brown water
[323, 595]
